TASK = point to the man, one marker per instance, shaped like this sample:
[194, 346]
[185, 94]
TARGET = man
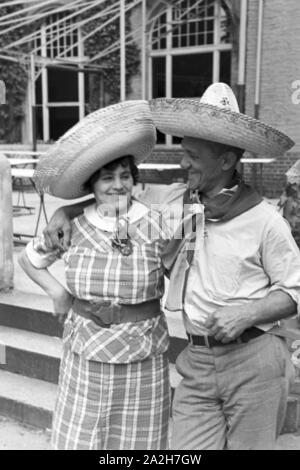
[233, 274]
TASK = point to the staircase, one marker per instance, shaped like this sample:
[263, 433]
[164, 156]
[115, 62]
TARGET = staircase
[33, 347]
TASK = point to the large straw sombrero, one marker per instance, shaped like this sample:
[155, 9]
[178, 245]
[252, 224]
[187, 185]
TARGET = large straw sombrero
[216, 117]
[102, 136]
[293, 173]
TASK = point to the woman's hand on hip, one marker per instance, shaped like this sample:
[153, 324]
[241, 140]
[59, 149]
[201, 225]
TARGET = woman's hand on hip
[62, 302]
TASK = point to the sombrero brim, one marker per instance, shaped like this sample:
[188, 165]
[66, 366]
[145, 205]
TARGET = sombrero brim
[191, 118]
[101, 137]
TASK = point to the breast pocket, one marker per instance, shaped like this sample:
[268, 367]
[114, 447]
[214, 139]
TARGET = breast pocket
[224, 275]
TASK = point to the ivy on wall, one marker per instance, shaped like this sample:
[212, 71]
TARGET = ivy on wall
[111, 63]
[15, 75]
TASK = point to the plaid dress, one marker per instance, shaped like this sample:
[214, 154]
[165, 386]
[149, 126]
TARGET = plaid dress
[131, 356]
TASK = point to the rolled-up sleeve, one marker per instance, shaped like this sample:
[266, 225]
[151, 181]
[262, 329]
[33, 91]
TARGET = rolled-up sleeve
[281, 259]
[39, 254]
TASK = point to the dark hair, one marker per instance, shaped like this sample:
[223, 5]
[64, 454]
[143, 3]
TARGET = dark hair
[111, 166]
[222, 148]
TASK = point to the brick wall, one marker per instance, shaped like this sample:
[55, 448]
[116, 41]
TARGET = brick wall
[280, 67]
[270, 182]
[273, 174]
[161, 155]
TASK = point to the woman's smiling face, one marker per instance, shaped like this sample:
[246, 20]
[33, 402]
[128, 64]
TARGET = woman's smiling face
[113, 190]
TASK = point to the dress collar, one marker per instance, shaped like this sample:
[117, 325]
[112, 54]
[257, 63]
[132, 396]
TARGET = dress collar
[136, 212]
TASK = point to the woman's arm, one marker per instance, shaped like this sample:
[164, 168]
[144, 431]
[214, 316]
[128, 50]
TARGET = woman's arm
[62, 299]
[57, 233]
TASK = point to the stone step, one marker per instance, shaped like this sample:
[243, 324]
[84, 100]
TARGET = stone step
[30, 398]
[30, 319]
[43, 322]
[292, 417]
[31, 401]
[296, 387]
[30, 354]
[18, 301]
[27, 400]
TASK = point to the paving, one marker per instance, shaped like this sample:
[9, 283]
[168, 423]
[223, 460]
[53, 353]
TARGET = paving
[14, 436]
[32, 338]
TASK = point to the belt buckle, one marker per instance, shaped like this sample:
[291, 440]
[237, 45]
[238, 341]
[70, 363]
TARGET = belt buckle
[206, 341]
[102, 314]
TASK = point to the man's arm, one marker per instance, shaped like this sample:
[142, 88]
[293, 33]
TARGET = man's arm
[280, 260]
[227, 323]
[58, 231]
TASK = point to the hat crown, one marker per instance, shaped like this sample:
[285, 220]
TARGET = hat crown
[221, 95]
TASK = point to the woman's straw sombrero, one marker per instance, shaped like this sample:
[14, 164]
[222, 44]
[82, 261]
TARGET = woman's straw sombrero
[293, 174]
[216, 117]
[102, 136]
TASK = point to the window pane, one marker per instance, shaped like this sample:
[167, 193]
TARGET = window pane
[159, 34]
[61, 119]
[159, 86]
[225, 67]
[192, 74]
[38, 90]
[39, 122]
[62, 85]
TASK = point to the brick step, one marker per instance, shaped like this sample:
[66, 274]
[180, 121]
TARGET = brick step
[31, 401]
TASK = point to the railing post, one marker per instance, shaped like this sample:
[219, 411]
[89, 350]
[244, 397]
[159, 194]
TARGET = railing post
[6, 226]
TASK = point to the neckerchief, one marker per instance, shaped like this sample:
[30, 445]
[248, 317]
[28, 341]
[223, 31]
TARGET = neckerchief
[226, 205]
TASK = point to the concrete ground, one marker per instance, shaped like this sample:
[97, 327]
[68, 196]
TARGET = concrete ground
[14, 436]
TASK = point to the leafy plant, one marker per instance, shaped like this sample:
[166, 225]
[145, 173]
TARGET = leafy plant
[15, 75]
[111, 63]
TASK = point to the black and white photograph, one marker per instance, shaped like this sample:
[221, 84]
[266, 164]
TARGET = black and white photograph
[150, 228]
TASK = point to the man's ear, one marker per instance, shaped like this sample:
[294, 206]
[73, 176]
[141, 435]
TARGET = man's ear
[229, 159]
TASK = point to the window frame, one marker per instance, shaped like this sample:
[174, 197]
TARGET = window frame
[46, 104]
[169, 52]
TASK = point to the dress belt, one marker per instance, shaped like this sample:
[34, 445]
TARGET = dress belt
[107, 314]
[210, 341]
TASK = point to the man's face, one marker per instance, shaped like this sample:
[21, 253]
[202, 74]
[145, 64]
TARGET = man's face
[203, 163]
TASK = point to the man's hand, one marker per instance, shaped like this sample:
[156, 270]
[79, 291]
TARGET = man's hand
[228, 323]
[58, 231]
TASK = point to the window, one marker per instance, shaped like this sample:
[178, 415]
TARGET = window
[190, 49]
[59, 90]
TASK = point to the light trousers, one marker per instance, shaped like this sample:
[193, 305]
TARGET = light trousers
[232, 396]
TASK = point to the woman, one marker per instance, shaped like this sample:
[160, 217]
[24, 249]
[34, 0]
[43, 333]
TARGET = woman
[114, 379]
